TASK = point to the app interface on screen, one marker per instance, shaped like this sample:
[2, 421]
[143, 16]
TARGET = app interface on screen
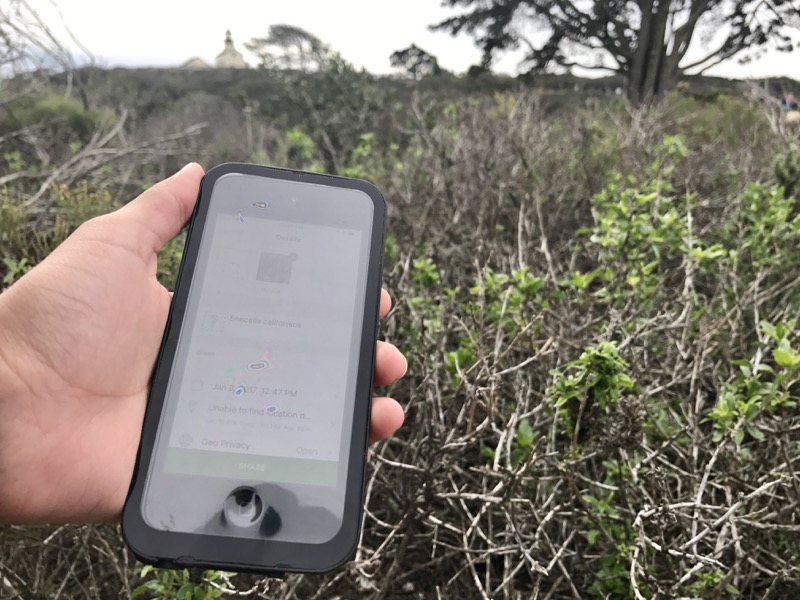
[260, 381]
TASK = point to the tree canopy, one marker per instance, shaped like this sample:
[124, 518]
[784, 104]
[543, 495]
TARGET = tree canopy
[289, 47]
[646, 41]
[416, 62]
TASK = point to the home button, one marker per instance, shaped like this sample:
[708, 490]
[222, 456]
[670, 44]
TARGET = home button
[243, 507]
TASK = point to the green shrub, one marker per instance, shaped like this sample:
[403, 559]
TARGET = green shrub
[598, 378]
[599, 308]
[167, 584]
[758, 387]
[66, 114]
[26, 237]
[787, 171]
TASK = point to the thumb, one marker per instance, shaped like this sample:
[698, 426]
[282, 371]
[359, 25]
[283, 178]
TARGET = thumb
[164, 209]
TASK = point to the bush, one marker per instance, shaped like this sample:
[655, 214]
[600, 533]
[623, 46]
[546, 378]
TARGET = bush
[27, 236]
[787, 171]
[599, 309]
[63, 114]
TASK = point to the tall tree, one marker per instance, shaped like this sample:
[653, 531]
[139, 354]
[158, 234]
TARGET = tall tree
[646, 41]
[416, 62]
[290, 47]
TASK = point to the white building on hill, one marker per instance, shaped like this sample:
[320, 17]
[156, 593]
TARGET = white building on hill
[229, 58]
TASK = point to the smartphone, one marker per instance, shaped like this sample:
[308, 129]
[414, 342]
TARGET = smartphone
[254, 440]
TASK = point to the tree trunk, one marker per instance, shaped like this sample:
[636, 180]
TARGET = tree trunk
[681, 39]
[636, 74]
[658, 50]
[651, 74]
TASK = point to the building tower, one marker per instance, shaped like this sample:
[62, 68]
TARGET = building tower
[230, 57]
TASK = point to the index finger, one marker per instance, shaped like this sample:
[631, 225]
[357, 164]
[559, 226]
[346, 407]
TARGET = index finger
[386, 303]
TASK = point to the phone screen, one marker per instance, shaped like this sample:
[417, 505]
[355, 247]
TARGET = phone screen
[262, 385]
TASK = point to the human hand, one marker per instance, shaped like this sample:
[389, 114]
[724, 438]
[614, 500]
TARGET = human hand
[79, 336]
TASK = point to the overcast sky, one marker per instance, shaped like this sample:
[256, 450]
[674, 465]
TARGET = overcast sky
[366, 32]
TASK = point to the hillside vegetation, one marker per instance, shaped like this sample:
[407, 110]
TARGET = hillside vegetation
[599, 305]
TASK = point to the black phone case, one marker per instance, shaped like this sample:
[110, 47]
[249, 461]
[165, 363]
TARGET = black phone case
[171, 549]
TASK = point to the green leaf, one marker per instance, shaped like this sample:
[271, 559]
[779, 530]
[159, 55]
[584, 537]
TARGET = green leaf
[633, 280]
[738, 437]
[745, 367]
[561, 401]
[186, 591]
[145, 570]
[581, 281]
[769, 329]
[525, 434]
[150, 586]
[786, 357]
[755, 432]
[592, 536]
